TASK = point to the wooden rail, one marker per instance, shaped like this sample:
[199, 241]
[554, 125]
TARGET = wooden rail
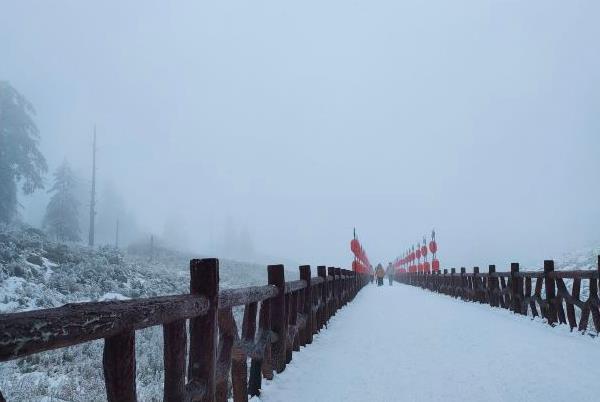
[288, 315]
[542, 293]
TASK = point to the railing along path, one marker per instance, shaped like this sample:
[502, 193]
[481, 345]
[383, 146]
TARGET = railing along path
[551, 297]
[288, 315]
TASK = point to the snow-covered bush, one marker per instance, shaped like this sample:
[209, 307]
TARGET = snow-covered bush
[36, 272]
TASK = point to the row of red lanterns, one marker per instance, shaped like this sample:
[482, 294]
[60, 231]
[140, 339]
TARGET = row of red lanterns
[361, 261]
[411, 260]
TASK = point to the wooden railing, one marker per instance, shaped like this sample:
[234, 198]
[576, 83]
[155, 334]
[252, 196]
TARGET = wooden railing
[288, 314]
[555, 295]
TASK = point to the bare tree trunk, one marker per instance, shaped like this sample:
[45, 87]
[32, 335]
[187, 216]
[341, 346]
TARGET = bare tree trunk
[93, 196]
[117, 235]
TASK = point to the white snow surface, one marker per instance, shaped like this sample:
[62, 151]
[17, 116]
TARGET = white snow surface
[402, 343]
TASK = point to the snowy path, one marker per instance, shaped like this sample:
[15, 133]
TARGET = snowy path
[402, 343]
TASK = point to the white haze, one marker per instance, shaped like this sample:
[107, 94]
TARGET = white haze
[296, 121]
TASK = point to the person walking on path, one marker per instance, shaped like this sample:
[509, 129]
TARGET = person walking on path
[380, 273]
[390, 273]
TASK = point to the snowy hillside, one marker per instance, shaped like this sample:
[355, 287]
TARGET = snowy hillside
[36, 273]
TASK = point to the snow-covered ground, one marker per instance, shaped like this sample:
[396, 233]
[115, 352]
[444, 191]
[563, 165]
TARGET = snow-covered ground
[36, 273]
[403, 343]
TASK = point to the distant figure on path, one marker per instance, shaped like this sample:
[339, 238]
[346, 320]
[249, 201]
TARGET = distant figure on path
[390, 273]
[380, 274]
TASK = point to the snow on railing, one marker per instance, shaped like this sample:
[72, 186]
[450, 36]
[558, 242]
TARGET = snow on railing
[288, 313]
[555, 293]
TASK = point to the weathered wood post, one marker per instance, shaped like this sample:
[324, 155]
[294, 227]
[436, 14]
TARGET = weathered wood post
[445, 282]
[452, 284]
[550, 286]
[292, 316]
[263, 366]
[492, 286]
[307, 335]
[119, 367]
[324, 310]
[278, 317]
[174, 354]
[346, 285]
[516, 288]
[476, 288]
[462, 286]
[334, 290]
[239, 366]
[340, 287]
[204, 281]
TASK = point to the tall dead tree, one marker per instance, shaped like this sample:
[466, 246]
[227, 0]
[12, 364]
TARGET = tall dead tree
[117, 235]
[93, 195]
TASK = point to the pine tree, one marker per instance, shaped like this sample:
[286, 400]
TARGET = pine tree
[20, 159]
[62, 216]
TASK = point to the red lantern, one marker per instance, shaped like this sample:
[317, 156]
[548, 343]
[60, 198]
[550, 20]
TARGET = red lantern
[433, 247]
[435, 265]
[418, 253]
[426, 266]
[424, 251]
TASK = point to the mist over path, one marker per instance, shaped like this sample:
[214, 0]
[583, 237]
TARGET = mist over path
[401, 343]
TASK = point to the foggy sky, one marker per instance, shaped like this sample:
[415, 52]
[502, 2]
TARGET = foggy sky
[302, 120]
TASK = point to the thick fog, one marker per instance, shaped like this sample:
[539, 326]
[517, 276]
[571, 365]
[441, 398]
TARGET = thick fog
[267, 130]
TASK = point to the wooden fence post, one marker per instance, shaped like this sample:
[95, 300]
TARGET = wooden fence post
[324, 310]
[463, 283]
[278, 317]
[492, 286]
[240, 383]
[307, 335]
[476, 288]
[550, 287]
[291, 320]
[516, 288]
[339, 274]
[204, 281]
[262, 366]
[514, 267]
[119, 367]
[174, 354]
[334, 294]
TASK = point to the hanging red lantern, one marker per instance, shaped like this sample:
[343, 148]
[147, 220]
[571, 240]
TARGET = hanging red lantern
[424, 251]
[418, 253]
[426, 266]
[433, 247]
[435, 264]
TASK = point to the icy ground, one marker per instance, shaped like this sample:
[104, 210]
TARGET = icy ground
[402, 343]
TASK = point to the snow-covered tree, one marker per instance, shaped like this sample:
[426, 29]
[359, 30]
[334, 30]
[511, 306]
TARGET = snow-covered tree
[20, 158]
[62, 216]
